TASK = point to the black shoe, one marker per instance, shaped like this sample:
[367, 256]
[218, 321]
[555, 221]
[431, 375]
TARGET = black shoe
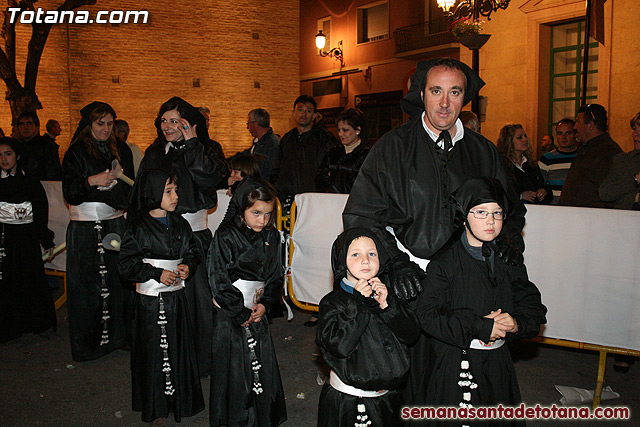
[311, 323]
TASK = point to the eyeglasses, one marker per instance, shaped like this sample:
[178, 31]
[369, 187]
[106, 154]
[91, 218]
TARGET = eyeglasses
[593, 118]
[250, 121]
[480, 214]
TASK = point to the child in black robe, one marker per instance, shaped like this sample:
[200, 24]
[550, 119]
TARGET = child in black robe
[363, 331]
[472, 303]
[159, 252]
[245, 273]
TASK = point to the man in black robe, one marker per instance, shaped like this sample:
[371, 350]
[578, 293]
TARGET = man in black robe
[405, 183]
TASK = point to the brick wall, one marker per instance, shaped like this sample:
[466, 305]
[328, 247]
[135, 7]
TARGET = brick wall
[229, 46]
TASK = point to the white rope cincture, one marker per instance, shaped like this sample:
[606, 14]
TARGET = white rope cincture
[104, 291]
[2, 252]
[255, 364]
[466, 381]
[164, 345]
[362, 419]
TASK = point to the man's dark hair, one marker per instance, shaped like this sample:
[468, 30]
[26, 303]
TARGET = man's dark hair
[122, 126]
[305, 99]
[50, 124]
[32, 114]
[595, 113]
[446, 63]
[261, 117]
[566, 121]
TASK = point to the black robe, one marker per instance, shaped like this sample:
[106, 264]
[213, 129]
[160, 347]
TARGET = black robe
[366, 347]
[85, 303]
[458, 292]
[404, 184]
[338, 170]
[149, 238]
[237, 252]
[26, 304]
[199, 171]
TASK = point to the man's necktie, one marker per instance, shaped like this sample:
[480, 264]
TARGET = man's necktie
[446, 138]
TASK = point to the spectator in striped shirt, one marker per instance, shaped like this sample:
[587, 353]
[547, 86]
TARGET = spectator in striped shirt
[555, 164]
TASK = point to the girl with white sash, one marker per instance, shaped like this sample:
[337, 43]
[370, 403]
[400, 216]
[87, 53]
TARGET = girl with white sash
[25, 303]
[245, 272]
[159, 252]
[99, 303]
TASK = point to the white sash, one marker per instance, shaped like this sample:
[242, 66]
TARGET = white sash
[152, 287]
[197, 220]
[481, 345]
[339, 385]
[16, 213]
[93, 211]
[252, 291]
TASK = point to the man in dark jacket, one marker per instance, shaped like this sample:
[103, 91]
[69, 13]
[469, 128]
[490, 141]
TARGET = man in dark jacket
[265, 142]
[406, 180]
[593, 161]
[38, 157]
[301, 152]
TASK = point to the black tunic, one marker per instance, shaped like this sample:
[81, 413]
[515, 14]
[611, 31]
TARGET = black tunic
[237, 252]
[459, 291]
[338, 170]
[404, 184]
[85, 302]
[299, 158]
[366, 347]
[149, 238]
[26, 304]
[199, 170]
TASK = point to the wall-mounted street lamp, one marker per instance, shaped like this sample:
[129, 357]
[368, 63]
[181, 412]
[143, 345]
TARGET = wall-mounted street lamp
[336, 52]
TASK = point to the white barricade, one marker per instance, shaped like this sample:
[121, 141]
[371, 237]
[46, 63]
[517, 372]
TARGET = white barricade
[586, 263]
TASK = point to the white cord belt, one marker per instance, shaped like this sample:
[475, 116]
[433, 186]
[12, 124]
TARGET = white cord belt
[197, 220]
[16, 213]
[152, 287]
[93, 211]
[339, 385]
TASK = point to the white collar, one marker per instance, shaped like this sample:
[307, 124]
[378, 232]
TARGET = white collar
[458, 136]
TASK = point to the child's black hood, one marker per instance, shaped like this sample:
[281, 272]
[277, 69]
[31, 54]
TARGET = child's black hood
[147, 193]
[341, 247]
[475, 192]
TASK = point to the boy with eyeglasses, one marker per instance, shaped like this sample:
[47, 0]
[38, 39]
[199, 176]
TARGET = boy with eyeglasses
[472, 303]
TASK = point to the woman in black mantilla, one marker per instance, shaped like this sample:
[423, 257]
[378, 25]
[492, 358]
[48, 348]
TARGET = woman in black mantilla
[183, 148]
[245, 271]
[472, 304]
[100, 304]
[158, 252]
[26, 304]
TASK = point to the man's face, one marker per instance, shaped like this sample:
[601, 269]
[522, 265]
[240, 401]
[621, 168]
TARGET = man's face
[56, 129]
[443, 97]
[304, 113]
[583, 129]
[566, 136]
[252, 127]
[27, 129]
[636, 136]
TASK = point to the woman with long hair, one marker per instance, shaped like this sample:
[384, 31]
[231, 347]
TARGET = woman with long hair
[100, 304]
[514, 146]
[183, 148]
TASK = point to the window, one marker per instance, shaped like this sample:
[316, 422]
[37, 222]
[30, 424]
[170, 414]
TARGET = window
[567, 48]
[324, 24]
[373, 22]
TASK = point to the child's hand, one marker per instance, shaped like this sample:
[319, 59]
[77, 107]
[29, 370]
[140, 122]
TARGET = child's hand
[380, 292]
[507, 322]
[257, 311]
[364, 287]
[183, 271]
[169, 278]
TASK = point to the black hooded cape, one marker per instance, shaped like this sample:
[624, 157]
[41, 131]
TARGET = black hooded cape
[363, 344]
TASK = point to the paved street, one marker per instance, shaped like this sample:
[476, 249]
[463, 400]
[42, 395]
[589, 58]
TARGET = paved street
[41, 386]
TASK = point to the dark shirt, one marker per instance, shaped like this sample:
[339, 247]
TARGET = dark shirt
[588, 171]
[529, 178]
[299, 158]
[265, 151]
[39, 158]
[339, 170]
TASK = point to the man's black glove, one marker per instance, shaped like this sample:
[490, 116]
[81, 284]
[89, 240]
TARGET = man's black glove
[405, 278]
[510, 248]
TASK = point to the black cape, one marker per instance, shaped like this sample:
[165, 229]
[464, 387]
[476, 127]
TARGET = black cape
[26, 304]
[85, 302]
[147, 237]
[459, 291]
[338, 170]
[237, 252]
[363, 344]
